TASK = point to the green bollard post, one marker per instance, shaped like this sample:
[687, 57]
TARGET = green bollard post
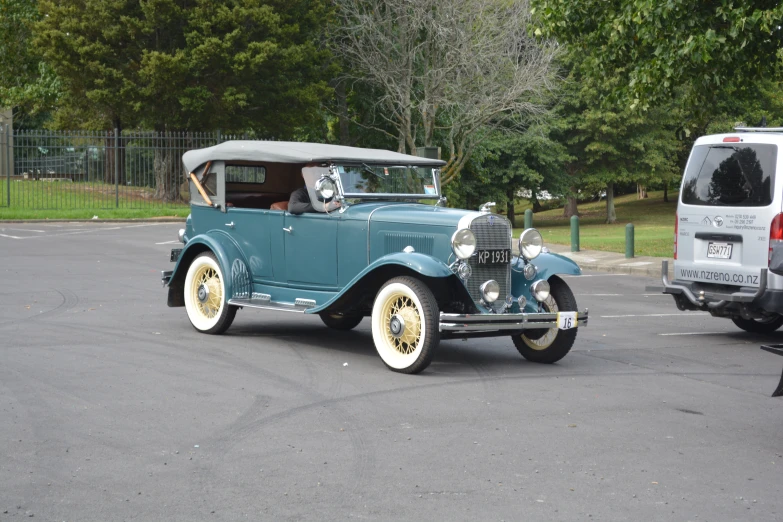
[629, 240]
[528, 218]
[574, 233]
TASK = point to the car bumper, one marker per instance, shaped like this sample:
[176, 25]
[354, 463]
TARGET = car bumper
[491, 325]
[705, 299]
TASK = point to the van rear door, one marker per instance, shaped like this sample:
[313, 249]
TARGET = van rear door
[727, 204]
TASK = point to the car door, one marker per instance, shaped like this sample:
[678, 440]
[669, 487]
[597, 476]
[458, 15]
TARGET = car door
[310, 244]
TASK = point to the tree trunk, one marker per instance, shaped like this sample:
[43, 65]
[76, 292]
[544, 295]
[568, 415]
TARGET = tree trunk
[571, 208]
[537, 206]
[510, 206]
[109, 159]
[611, 216]
[641, 191]
[343, 119]
[666, 192]
[167, 173]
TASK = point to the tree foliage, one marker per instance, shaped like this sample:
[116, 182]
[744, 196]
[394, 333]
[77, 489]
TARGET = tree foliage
[27, 84]
[447, 70]
[187, 65]
[657, 46]
[611, 143]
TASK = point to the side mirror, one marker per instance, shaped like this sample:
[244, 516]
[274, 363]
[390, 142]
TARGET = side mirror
[325, 189]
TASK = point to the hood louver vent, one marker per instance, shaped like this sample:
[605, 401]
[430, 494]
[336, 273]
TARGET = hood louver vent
[394, 242]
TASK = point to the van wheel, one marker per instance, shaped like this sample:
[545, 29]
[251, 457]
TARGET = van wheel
[549, 345]
[340, 321]
[760, 326]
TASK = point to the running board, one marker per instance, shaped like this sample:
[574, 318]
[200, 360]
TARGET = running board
[264, 302]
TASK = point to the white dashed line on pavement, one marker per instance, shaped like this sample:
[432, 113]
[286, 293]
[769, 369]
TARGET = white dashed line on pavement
[681, 314]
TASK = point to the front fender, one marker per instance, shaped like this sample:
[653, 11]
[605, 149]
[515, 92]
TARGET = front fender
[227, 253]
[421, 264]
[547, 265]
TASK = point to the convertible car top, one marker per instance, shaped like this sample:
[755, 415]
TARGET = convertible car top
[294, 152]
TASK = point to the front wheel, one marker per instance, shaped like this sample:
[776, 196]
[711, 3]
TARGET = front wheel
[205, 296]
[405, 324]
[340, 321]
[759, 326]
[551, 344]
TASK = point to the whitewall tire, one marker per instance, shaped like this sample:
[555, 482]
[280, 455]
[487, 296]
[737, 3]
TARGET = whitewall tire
[205, 296]
[405, 324]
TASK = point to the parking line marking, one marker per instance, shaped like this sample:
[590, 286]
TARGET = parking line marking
[168, 242]
[599, 295]
[594, 275]
[683, 314]
[692, 333]
[12, 237]
[26, 230]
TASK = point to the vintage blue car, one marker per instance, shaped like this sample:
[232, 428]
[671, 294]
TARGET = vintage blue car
[367, 235]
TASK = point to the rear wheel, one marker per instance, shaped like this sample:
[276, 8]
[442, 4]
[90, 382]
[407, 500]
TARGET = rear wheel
[405, 325]
[551, 344]
[340, 321]
[761, 326]
[205, 296]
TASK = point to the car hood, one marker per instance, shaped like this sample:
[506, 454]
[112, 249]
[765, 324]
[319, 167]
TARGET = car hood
[407, 213]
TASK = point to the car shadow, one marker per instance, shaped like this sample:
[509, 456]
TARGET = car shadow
[453, 356]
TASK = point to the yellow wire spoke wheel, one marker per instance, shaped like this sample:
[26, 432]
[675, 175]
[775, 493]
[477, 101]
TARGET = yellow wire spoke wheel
[405, 324]
[552, 344]
[205, 296]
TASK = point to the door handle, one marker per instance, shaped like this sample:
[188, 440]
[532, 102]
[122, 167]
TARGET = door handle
[230, 225]
[289, 229]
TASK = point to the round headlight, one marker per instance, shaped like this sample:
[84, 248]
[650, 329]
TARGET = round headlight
[540, 290]
[490, 291]
[530, 243]
[181, 235]
[521, 301]
[529, 271]
[463, 242]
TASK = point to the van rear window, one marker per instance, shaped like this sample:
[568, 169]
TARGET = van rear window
[730, 175]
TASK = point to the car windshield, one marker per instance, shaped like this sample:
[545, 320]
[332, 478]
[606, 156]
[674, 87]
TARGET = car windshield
[386, 180]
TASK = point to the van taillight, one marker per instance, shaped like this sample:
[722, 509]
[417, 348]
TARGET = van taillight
[775, 234]
[676, 228]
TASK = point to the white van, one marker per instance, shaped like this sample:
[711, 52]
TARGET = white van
[728, 233]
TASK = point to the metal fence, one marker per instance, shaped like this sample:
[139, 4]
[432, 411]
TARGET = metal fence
[95, 169]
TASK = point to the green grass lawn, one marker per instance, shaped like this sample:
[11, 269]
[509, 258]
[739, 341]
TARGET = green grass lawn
[82, 200]
[653, 222]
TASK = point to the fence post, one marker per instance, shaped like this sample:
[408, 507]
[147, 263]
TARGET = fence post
[116, 168]
[574, 233]
[528, 218]
[8, 165]
[629, 246]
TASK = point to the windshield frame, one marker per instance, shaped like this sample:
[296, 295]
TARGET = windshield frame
[379, 196]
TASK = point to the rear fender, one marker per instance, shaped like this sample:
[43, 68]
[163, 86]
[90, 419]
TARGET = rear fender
[227, 253]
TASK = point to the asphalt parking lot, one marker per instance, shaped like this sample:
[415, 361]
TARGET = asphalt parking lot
[114, 408]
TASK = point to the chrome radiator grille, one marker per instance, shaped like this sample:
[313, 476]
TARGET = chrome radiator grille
[496, 235]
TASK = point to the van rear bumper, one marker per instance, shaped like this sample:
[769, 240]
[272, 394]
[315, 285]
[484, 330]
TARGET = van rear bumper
[700, 297]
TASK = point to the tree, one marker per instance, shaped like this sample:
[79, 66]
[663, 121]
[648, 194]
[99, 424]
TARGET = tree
[656, 47]
[611, 143]
[447, 70]
[179, 65]
[27, 84]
